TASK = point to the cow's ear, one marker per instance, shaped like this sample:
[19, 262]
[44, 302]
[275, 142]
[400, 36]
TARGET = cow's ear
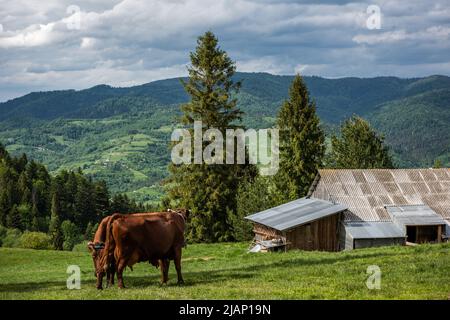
[90, 246]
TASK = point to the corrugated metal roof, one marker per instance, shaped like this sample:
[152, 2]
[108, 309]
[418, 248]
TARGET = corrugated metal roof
[414, 215]
[372, 230]
[296, 213]
[367, 191]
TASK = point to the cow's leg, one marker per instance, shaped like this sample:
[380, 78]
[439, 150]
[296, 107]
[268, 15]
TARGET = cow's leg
[108, 277]
[112, 273]
[177, 261]
[121, 266]
[100, 276]
[164, 265]
[166, 270]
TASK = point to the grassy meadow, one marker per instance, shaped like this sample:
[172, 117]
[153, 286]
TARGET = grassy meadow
[227, 271]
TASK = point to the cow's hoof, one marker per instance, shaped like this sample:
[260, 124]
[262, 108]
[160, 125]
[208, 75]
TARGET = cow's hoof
[180, 282]
[99, 288]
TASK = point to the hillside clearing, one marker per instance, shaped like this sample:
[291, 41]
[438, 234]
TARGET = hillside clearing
[226, 271]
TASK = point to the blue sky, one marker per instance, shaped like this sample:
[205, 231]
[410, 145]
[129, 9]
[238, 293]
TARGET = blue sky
[129, 42]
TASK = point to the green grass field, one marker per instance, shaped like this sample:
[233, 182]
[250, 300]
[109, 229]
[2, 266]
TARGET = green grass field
[226, 271]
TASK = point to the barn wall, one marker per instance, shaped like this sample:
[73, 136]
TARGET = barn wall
[320, 235]
[378, 242]
[345, 239]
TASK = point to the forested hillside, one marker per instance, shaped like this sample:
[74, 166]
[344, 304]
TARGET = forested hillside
[67, 206]
[122, 134]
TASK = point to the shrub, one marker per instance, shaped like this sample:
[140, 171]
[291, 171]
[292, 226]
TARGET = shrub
[71, 235]
[81, 247]
[36, 240]
[12, 238]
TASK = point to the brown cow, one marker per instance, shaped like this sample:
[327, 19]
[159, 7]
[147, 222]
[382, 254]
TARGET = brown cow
[96, 248]
[156, 237]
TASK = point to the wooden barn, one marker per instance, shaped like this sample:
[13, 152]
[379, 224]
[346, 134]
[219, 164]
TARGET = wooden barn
[357, 208]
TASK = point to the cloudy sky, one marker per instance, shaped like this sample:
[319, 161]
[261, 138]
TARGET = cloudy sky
[60, 44]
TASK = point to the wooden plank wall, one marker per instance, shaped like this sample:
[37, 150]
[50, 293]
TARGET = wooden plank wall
[319, 235]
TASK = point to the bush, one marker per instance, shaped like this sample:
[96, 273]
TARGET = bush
[71, 235]
[12, 238]
[36, 240]
[3, 232]
[81, 247]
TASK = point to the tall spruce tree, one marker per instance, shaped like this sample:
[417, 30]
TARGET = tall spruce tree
[359, 147]
[54, 229]
[102, 206]
[13, 220]
[209, 191]
[301, 143]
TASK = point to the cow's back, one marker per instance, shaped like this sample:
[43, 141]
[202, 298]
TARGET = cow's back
[149, 237]
[100, 234]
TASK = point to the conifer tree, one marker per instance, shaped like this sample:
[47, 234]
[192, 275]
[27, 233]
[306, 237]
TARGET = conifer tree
[359, 147]
[301, 143]
[35, 218]
[54, 229]
[13, 220]
[102, 206]
[209, 191]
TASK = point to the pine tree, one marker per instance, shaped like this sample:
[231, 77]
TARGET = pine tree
[102, 206]
[54, 229]
[25, 215]
[209, 191]
[359, 147]
[84, 204]
[301, 143]
[5, 206]
[35, 218]
[13, 220]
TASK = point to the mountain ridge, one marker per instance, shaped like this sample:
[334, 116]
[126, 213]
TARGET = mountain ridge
[122, 134]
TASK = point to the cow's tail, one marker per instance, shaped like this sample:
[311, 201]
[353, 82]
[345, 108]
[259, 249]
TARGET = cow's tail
[108, 251]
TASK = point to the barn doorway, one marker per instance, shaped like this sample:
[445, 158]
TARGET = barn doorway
[423, 234]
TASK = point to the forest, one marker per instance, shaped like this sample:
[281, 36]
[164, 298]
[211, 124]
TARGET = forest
[38, 210]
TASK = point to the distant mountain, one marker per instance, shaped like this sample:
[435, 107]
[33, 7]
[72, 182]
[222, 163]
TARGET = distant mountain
[122, 134]
[336, 98]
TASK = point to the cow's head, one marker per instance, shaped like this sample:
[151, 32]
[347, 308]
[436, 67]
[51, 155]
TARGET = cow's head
[96, 250]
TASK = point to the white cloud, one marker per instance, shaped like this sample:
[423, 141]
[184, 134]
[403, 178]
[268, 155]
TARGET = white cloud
[87, 43]
[435, 33]
[124, 42]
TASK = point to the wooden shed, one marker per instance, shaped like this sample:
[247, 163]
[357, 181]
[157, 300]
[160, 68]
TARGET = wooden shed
[306, 223]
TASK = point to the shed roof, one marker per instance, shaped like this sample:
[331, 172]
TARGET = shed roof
[414, 215]
[296, 213]
[372, 230]
[366, 192]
